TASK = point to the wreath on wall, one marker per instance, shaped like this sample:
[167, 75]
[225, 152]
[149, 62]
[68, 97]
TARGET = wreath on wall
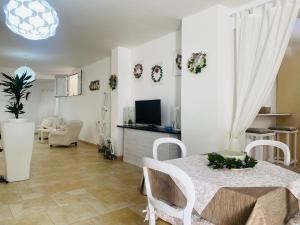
[178, 61]
[157, 73]
[113, 82]
[138, 70]
[197, 62]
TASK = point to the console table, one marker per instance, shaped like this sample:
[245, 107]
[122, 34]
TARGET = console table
[138, 142]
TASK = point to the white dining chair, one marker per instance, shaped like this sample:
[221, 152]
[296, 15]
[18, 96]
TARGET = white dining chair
[295, 220]
[154, 205]
[168, 140]
[277, 144]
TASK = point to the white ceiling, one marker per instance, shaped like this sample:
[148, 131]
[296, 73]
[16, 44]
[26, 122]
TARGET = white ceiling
[90, 28]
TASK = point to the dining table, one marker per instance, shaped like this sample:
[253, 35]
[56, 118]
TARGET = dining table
[264, 195]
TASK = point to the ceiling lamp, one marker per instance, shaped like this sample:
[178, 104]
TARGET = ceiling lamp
[25, 69]
[32, 19]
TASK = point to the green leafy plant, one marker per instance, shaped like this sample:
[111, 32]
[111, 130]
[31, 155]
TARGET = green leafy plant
[113, 82]
[216, 161]
[16, 88]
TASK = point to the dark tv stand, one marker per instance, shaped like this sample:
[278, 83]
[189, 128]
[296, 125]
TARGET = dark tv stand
[152, 126]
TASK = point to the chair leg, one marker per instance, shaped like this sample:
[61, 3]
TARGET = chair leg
[151, 212]
[75, 144]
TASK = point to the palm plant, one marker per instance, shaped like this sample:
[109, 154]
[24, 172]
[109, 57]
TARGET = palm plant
[16, 88]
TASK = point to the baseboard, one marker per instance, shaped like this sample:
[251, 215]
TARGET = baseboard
[88, 143]
[119, 158]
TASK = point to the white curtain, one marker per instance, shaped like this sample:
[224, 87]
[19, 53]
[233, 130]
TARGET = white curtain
[262, 36]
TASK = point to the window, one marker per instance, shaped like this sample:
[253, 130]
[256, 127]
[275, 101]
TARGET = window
[70, 85]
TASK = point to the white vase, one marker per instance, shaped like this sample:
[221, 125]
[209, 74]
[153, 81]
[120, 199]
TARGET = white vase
[17, 120]
[17, 141]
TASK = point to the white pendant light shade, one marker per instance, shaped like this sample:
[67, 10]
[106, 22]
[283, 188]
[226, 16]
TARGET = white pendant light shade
[25, 69]
[32, 19]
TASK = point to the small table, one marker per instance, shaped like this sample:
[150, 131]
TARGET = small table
[44, 133]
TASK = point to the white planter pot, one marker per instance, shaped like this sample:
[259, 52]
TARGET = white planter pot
[17, 140]
[17, 120]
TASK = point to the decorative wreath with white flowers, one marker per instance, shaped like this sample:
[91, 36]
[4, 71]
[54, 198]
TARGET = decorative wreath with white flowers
[113, 82]
[138, 70]
[157, 73]
[197, 62]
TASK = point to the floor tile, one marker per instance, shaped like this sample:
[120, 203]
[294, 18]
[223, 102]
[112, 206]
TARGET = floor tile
[71, 213]
[35, 219]
[5, 212]
[32, 206]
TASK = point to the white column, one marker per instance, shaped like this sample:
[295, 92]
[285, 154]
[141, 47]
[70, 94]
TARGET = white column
[207, 97]
[120, 97]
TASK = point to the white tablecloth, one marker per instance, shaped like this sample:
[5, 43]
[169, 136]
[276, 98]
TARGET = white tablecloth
[208, 181]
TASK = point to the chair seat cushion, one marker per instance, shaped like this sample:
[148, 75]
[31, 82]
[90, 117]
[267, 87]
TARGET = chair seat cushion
[259, 131]
[283, 128]
[295, 220]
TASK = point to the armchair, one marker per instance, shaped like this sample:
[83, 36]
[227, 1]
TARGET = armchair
[47, 125]
[67, 135]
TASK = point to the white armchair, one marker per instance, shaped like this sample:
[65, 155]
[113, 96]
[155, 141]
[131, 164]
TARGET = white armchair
[67, 135]
[47, 125]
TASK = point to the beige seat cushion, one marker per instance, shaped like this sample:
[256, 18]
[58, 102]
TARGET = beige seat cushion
[46, 124]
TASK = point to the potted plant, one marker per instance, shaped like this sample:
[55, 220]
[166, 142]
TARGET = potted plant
[16, 88]
[17, 138]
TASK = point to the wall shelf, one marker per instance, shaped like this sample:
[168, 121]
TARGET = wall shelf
[275, 114]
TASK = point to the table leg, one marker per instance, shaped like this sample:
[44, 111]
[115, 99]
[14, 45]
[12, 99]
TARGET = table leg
[271, 156]
[42, 136]
[295, 149]
[261, 151]
[277, 150]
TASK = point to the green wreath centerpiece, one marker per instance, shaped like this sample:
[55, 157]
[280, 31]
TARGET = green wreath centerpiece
[138, 70]
[113, 82]
[218, 161]
[157, 73]
[197, 62]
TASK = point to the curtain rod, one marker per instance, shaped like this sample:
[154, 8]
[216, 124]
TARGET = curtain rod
[251, 5]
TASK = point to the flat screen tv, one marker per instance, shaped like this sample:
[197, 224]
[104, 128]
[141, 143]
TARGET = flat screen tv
[148, 112]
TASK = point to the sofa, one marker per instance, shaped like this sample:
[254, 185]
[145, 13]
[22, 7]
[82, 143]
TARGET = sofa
[66, 135]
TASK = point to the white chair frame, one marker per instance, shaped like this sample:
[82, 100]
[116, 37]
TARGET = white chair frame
[185, 214]
[168, 140]
[277, 144]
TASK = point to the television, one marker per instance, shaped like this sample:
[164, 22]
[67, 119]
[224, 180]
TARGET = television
[148, 112]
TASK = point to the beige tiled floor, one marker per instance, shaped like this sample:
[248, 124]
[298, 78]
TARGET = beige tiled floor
[73, 186]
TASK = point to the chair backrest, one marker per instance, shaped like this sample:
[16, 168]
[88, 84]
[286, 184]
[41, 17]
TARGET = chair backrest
[185, 182]
[73, 129]
[160, 141]
[277, 144]
[51, 122]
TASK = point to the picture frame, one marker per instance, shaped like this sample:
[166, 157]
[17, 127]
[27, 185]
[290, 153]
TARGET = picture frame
[94, 85]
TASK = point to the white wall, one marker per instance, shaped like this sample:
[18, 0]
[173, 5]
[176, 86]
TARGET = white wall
[41, 102]
[159, 51]
[206, 98]
[87, 107]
